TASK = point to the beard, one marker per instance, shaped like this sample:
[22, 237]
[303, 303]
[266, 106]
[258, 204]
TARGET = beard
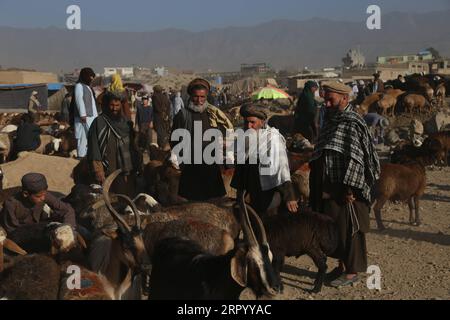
[198, 108]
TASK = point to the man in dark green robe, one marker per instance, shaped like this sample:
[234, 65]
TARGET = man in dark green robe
[306, 112]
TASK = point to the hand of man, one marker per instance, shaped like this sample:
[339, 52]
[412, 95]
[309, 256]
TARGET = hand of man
[83, 119]
[100, 177]
[350, 198]
[292, 206]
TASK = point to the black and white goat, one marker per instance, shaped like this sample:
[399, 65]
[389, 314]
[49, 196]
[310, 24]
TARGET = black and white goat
[183, 270]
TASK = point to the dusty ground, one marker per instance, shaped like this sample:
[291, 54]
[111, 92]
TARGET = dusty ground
[414, 261]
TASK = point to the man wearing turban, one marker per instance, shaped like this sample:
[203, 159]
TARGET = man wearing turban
[200, 181]
[267, 190]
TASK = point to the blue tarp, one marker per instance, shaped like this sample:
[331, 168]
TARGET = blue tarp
[50, 86]
[55, 86]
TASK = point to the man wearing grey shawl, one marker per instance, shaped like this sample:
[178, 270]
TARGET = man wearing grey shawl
[110, 145]
[344, 169]
[267, 180]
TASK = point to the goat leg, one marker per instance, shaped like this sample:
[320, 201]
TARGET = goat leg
[320, 260]
[411, 210]
[278, 263]
[416, 205]
[377, 209]
[446, 157]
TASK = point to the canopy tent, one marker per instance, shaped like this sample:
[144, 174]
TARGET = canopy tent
[55, 101]
[269, 93]
[15, 97]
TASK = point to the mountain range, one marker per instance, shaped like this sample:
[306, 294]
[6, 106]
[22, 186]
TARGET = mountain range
[282, 43]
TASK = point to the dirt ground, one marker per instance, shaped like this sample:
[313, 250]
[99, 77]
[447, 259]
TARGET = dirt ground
[414, 261]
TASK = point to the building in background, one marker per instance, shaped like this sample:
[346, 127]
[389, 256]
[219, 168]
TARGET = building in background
[255, 69]
[28, 77]
[124, 72]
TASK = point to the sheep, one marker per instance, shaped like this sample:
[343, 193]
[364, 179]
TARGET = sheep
[400, 182]
[182, 270]
[293, 235]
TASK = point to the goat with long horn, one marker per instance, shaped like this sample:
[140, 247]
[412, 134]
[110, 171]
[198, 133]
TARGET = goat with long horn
[183, 270]
[6, 243]
[121, 249]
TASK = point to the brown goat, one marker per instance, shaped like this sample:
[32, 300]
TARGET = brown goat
[300, 182]
[400, 182]
[367, 105]
[162, 181]
[212, 239]
[416, 102]
[444, 140]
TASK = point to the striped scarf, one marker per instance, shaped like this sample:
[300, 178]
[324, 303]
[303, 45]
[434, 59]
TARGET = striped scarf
[350, 157]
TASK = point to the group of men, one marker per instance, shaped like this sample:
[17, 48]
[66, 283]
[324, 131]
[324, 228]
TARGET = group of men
[344, 167]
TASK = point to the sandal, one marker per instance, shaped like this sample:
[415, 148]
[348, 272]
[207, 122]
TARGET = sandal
[343, 281]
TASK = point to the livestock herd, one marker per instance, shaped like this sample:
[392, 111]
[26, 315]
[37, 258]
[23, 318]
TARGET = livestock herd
[160, 246]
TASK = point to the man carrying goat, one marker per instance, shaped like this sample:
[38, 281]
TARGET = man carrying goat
[344, 168]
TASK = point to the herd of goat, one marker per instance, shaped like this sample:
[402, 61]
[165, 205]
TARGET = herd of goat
[160, 246]
[211, 250]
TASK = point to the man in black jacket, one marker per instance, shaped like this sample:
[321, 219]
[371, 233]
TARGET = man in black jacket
[28, 136]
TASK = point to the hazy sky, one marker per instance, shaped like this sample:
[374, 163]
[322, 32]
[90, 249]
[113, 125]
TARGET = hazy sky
[194, 15]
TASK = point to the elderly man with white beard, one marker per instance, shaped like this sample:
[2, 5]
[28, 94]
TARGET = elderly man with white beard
[265, 175]
[200, 181]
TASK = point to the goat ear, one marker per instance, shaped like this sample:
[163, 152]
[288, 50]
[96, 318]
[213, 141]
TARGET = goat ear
[239, 267]
[53, 251]
[81, 241]
[144, 223]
